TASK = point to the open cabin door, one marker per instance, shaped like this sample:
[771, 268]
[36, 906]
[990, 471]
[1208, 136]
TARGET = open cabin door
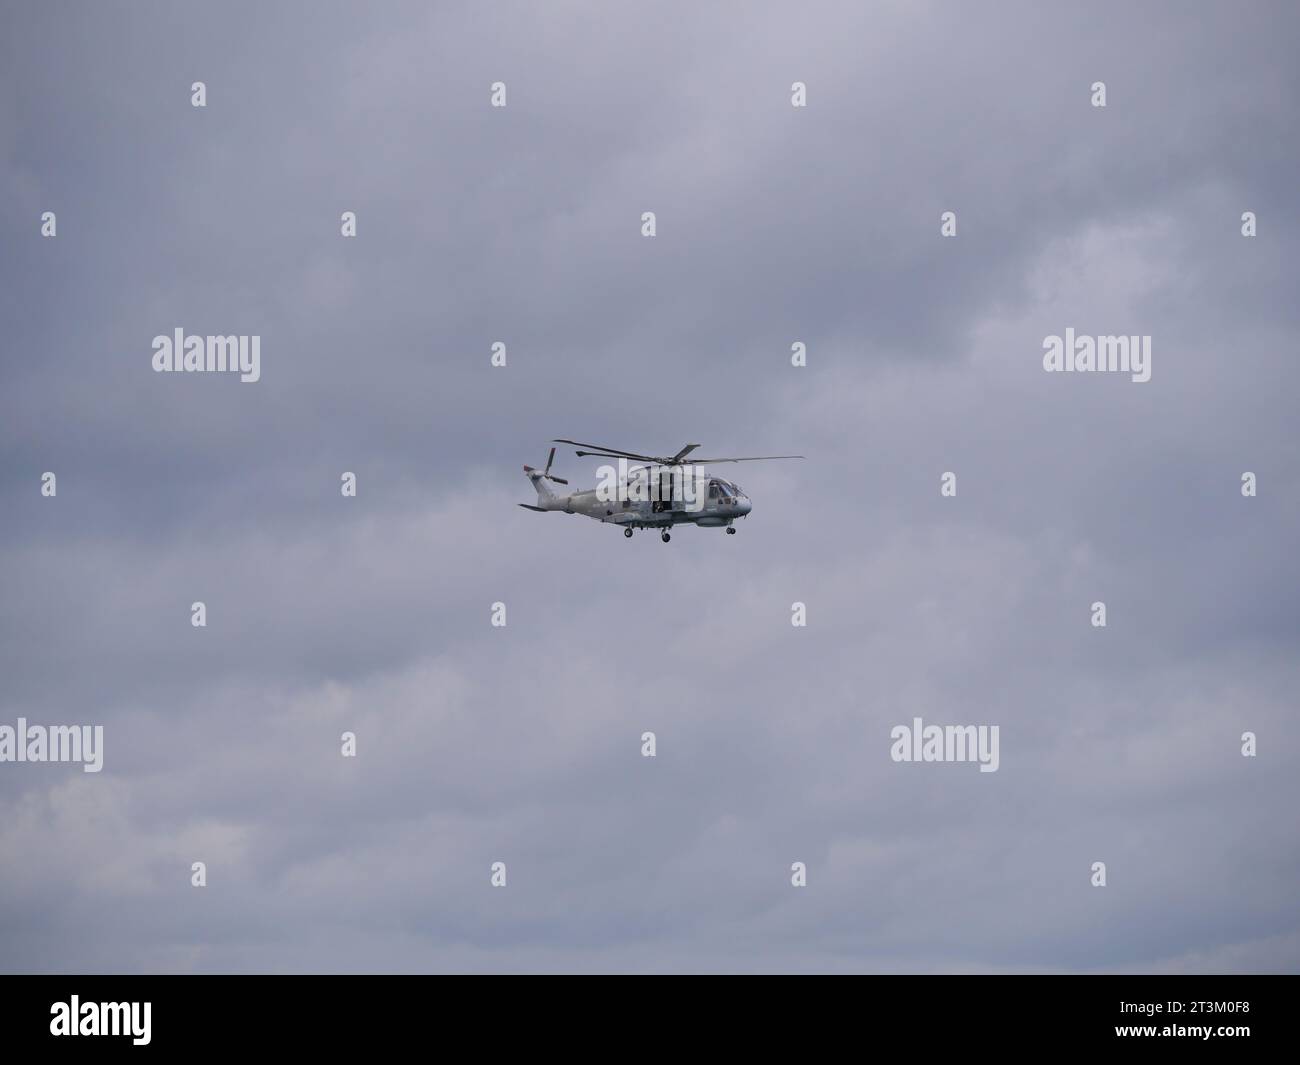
[662, 490]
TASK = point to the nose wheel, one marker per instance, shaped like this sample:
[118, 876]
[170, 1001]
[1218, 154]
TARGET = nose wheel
[665, 536]
[731, 531]
[627, 532]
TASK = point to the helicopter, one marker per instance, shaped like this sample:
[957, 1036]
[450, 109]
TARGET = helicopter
[633, 497]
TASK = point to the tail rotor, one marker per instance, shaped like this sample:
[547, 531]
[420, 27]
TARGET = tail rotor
[547, 472]
[547, 498]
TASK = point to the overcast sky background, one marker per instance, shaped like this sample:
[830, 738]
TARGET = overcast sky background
[522, 744]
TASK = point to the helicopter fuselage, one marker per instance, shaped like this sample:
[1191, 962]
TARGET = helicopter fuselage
[668, 490]
[717, 503]
[645, 514]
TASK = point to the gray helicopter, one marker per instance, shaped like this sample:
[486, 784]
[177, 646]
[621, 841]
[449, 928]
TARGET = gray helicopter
[665, 491]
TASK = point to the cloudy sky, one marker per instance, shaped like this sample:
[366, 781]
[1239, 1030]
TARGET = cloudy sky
[523, 744]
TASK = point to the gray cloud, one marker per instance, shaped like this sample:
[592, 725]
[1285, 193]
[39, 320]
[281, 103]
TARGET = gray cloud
[371, 615]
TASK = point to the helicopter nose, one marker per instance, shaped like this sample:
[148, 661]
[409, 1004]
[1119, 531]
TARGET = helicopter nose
[743, 505]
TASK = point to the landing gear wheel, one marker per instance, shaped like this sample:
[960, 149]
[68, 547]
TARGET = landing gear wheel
[627, 532]
[731, 531]
[665, 537]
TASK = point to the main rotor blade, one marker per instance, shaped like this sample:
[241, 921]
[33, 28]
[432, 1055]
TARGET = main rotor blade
[747, 458]
[684, 452]
[610, 452]
[615, 455]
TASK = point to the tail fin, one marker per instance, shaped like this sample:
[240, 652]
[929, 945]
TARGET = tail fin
[546, 498]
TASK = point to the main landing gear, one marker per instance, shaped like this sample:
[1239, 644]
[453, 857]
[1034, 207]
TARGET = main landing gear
[627, 532]
[665, 536]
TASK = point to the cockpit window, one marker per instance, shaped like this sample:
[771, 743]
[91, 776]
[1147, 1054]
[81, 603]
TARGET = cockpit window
[714, 489]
